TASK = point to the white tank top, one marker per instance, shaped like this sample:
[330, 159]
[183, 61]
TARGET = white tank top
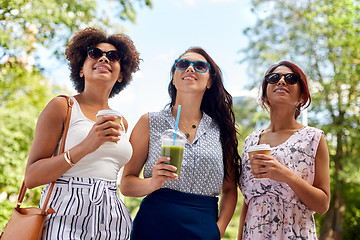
[106, 161]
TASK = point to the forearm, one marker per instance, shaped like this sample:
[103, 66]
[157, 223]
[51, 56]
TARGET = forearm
[316, 195]
[228, 202]
[314, 198]
[45, 171]
[133, 186]
[37, 173]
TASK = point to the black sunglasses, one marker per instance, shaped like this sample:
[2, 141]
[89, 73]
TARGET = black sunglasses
[199, 66]
[290, 78]
[96, 53]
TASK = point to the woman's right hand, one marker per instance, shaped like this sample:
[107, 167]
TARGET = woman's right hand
[131, 184]
[105, 129]
[162, 172]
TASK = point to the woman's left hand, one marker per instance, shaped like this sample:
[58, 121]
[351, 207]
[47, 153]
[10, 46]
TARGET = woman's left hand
[222, 231]
[270, 168]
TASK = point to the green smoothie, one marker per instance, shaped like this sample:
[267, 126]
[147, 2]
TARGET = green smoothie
[176, 155]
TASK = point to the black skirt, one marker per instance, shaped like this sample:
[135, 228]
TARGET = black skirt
[169, 214]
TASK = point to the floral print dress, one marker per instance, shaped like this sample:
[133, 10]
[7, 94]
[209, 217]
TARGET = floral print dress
[274, 211]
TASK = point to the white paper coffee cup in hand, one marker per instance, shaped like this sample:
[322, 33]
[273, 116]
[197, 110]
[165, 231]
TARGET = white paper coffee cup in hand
[109, 112]
[258, 149]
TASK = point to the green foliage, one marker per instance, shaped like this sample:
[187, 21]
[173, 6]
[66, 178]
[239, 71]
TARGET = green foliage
[26, 24]
[132, 204]
[128, 11]
[249, 116]
[16, 131]
[5, 212]
[22, 86]
[352, 215]
[15, 136]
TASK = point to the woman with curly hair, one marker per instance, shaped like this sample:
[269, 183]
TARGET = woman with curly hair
[84, 196]
[185, 206]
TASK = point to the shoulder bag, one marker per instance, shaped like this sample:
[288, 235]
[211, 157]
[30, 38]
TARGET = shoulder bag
[28, 223]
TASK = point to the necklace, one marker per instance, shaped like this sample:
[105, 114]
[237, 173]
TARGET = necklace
[193, 126]
[187, 134]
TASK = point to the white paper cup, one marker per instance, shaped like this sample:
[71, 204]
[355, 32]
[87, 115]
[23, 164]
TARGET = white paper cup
[258, 149]
[109, 112]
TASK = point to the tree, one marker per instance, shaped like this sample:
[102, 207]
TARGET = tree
[26, 24]
[25, 27]
[249, 116]
[322, 37]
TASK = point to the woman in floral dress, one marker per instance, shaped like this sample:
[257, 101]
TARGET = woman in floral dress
[281, 197]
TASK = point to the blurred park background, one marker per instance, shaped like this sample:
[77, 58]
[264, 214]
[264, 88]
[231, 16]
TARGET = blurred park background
[244, 36]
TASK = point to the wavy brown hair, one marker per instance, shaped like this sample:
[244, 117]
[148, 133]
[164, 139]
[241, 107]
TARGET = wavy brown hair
[217, 103]
[76, 53]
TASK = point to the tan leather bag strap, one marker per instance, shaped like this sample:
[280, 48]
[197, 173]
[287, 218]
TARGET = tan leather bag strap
[70, 102]
[23, 189]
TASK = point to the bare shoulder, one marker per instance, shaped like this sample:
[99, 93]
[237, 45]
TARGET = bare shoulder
[322, 148]
[49, 129]
[144, 120]
[52, 117]
[55, 110]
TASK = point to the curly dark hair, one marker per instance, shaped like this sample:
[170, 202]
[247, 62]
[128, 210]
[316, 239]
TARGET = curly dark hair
[76, 53]
[217, 103]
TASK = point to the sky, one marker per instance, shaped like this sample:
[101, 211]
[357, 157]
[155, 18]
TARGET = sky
[164, 32]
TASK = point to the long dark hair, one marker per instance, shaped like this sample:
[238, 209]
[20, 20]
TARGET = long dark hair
[305, 94]
[217, 103]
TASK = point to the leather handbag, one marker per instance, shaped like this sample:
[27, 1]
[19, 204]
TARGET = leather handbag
[28, 223]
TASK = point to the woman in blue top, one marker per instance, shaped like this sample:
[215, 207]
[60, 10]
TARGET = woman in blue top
[185, 206]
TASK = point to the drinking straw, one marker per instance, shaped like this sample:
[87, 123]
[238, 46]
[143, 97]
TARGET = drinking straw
[177, 122]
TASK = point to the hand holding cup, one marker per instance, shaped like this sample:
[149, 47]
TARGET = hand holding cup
[109, 112]
[258, 149]
[172, 145]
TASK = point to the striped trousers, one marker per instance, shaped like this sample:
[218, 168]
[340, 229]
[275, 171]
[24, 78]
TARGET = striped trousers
[86, 209]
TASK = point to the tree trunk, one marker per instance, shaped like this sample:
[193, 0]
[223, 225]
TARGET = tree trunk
[326, 232]
[332, 228]
[339, 215]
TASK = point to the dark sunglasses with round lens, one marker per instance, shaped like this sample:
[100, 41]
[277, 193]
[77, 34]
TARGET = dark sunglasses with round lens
[96, 53]
[290, 78]
[199, 66]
